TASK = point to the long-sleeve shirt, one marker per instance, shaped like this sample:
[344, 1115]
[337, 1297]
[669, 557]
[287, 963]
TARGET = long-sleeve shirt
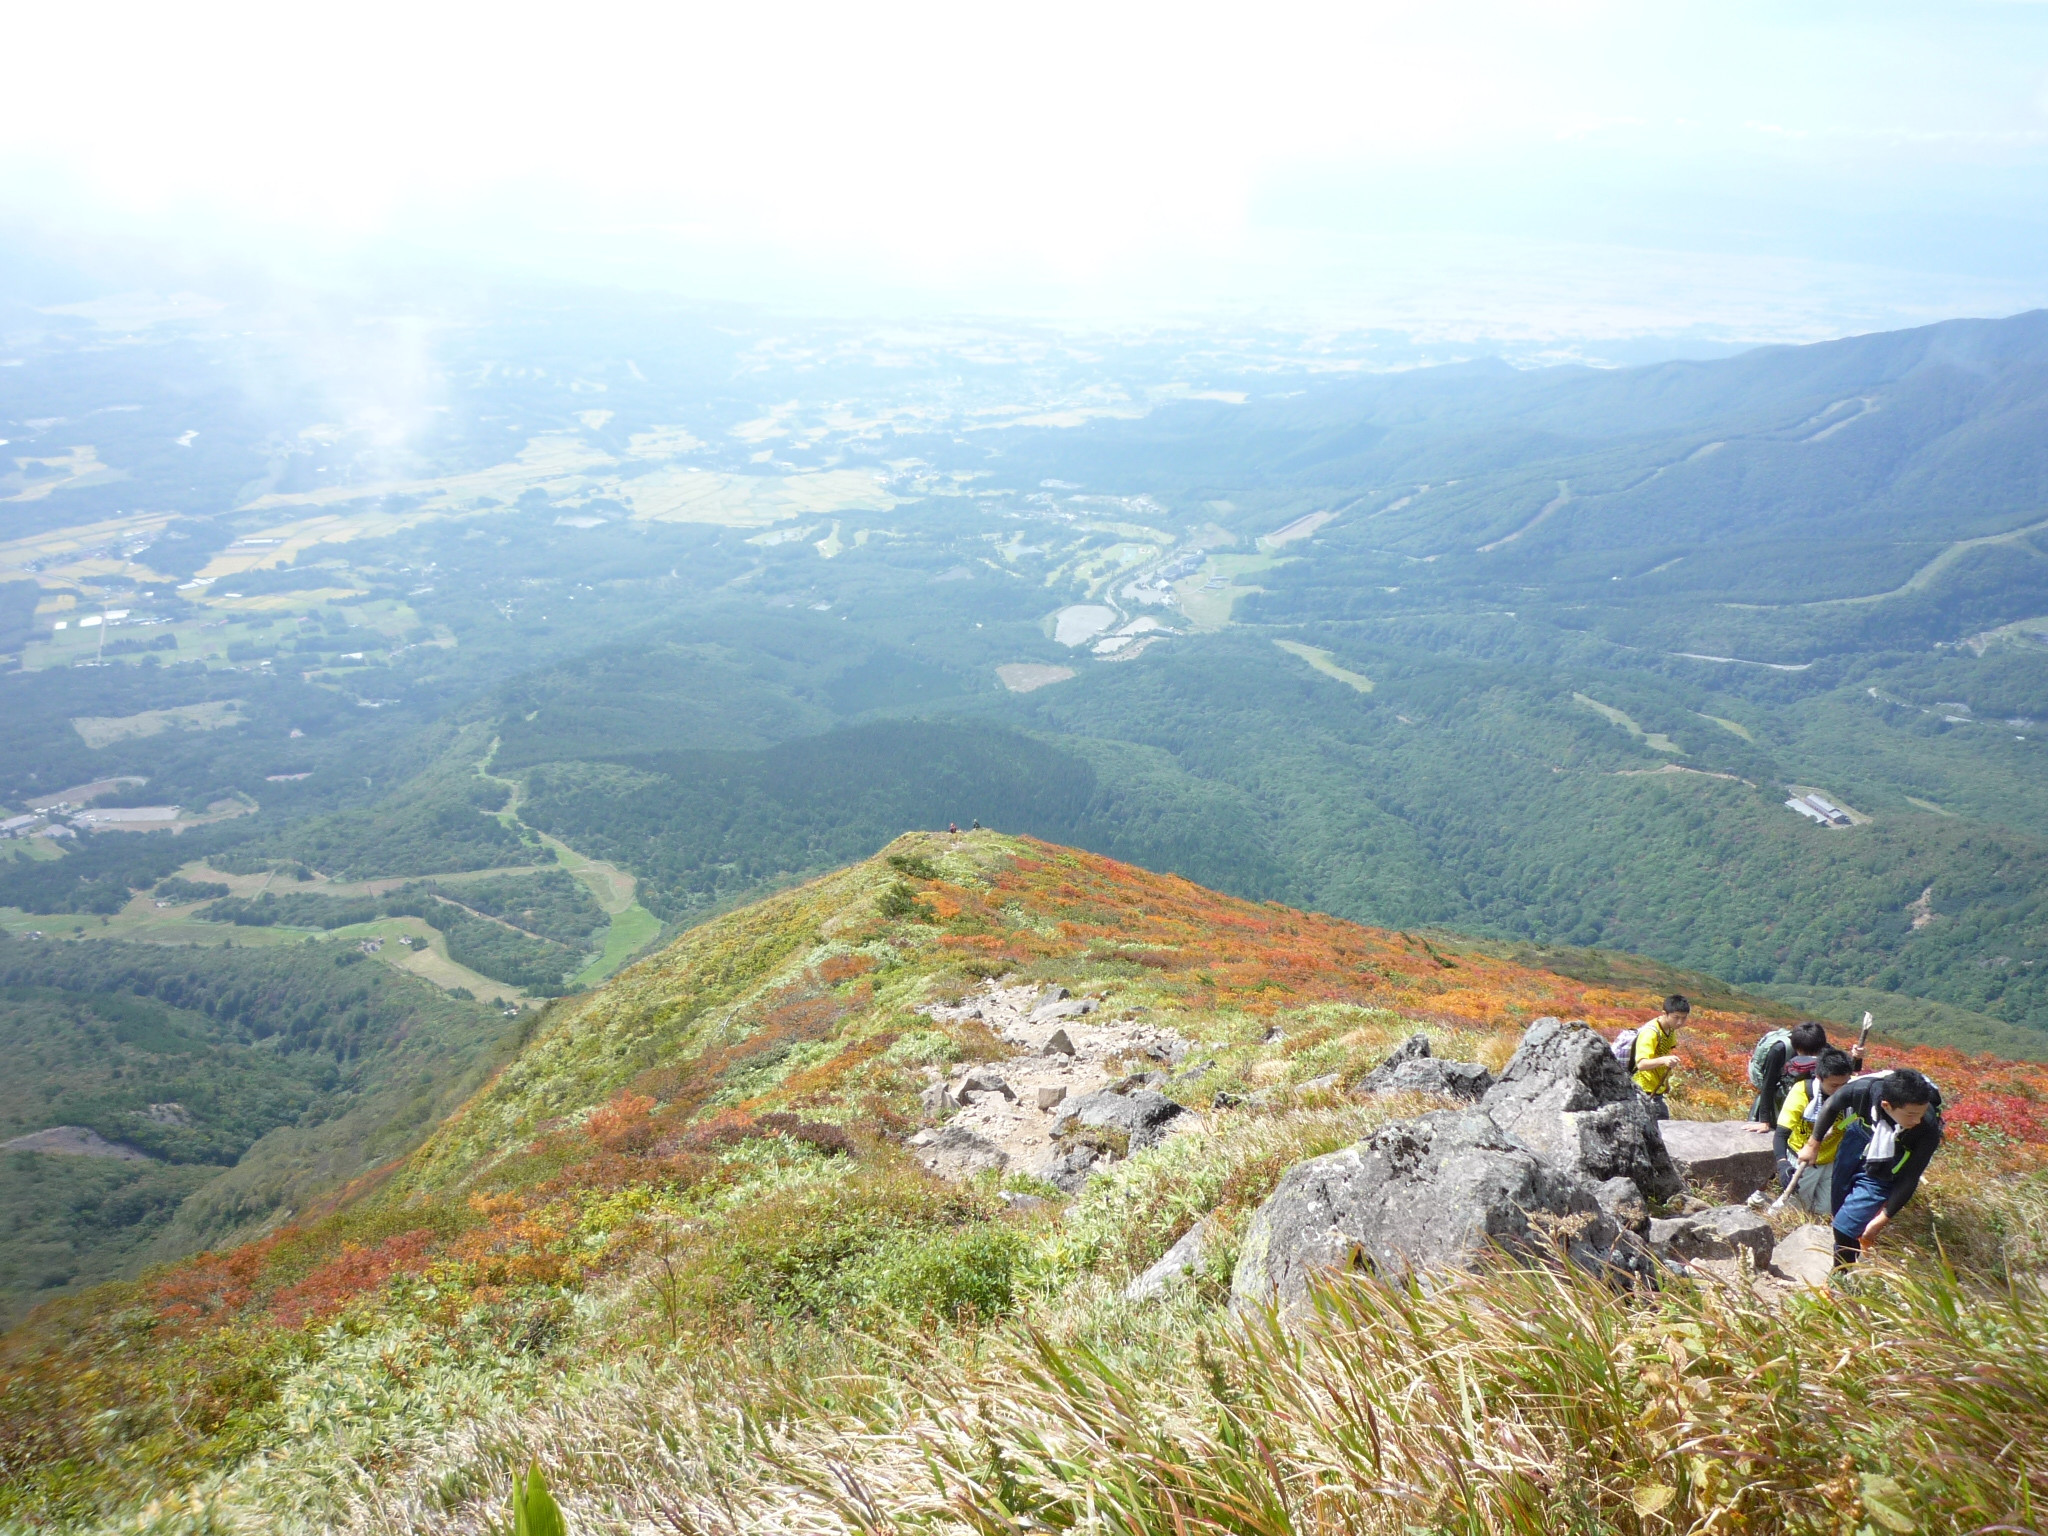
[1913, 1148]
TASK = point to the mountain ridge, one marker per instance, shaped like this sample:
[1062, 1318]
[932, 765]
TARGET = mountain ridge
[719, 1141]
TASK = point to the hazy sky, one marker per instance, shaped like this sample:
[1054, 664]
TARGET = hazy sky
[1724, 168]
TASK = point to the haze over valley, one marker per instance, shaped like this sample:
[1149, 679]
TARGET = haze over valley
[784, 759]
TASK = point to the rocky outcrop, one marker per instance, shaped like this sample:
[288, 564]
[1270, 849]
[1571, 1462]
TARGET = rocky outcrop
[1412, 1069]
[1441, 1191]
[1564, 1095]
[1624, 1204]
[1731, 1156]
[1724, 1232]
[1140, 1117]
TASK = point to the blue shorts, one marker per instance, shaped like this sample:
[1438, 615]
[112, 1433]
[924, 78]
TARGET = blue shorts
[1865, 1199]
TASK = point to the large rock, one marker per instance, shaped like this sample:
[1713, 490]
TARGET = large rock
[1412, 1069]
[956, 1153]
[1178, 1261]
[1624, 1203]
[1732, 1156]
[1725, 1232]
[1806, 1255]
[1433, 1193]
[1141, 1116]
[1564, 1094]
[1069, 1170]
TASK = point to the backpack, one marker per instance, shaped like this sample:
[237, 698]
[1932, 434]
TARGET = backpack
[1625, 1048]
[1761, 1054]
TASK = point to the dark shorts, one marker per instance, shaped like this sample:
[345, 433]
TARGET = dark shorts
[1659, 1109]
[1860, 1192]
[1866, 1197]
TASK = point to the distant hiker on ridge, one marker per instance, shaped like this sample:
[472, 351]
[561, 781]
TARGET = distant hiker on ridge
[1651, 1055]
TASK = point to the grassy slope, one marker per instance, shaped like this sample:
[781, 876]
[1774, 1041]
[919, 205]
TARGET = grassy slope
[686, 1205]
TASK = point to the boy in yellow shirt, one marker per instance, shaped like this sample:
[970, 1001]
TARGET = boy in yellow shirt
[1808, 1185]
[1654, 1053]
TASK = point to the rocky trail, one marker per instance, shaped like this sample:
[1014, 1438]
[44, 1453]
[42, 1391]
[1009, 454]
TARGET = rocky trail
[1081, 1092]
[1559, 1149]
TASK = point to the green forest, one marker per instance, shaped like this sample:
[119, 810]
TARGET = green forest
[246, 1079]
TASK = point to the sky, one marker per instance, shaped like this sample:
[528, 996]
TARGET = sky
[1727, 170]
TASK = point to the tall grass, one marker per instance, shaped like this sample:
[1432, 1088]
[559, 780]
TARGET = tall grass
[1521, 1400]
[1532, 1401]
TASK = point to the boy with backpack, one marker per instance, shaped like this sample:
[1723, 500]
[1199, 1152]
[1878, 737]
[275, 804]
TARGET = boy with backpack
[1808, 1187]
[1892, 1129]
[1651, 1053]
[1783, 1056]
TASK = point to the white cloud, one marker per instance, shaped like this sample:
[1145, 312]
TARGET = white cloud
[994, 148]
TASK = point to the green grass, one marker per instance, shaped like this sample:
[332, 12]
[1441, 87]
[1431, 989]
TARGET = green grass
[631, 931]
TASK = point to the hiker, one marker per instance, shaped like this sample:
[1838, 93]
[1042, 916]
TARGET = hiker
[1784, 1056]
[1651, 1055]
[1892, 1129]
[952, 826]
[1807, 1187]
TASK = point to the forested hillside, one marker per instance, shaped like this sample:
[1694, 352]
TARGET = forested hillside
[240, 1083]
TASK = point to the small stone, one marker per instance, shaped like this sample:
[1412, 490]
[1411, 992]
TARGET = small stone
[1320, 1085]
[1275, 1035]
[1059, 1045]
[935, 1099]
[1048, 1097]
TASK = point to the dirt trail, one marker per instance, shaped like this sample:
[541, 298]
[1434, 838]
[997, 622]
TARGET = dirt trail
[1014, 1134]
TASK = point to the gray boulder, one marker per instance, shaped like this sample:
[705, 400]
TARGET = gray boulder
[1141, 1115]
[1724, 1232]
[1070, 1008]
[1178, 1260]
[1731, 1156]
[1624, 1204]
[1070, 1170]
[981, 1081]
[1806, 1255]
[1565, 1095]
[1412, 1069]
[1438, 1192]
[954, 1152]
